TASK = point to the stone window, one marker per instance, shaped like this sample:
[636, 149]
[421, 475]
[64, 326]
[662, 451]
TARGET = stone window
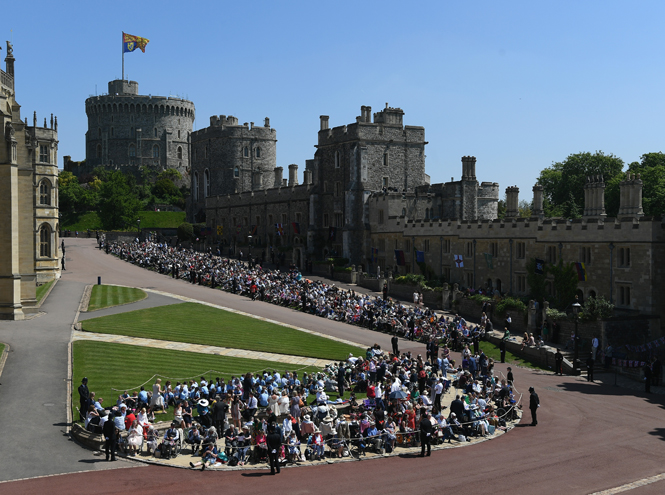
[14, 153]
[326, 220]
[44, 192]
[382, 244]
[195, 186]
[338, 189]
[325, 186]
[206, 183]
[624, 257]
[385, 181]
[236, 172]
[403, 212]
[494, 249]
[245, 221]
[131, 132]
[426, 245]
[380, 216]
[585, 255]
[446, 245]
[285, 219]
[155, 131]
[337, 159]
[178, 131]
[44, 153]
[446, 273]
[99, 133]
[624, 295]
[521, 283]
[385, 159]
[469, 279]
[132, 150]
[298, 217]
[258, 152]
[155, 151]
[270, 220]
[407, 245]
[205, 151]
[258, 220]
[469, 248]
[339, 219]
[99, 151]
[179, 152]
[521, 250]
[551, 254]
[45, 241]
[112, 132]
[245, 151]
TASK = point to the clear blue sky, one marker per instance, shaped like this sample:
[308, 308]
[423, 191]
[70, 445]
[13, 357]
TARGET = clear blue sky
[517, 84]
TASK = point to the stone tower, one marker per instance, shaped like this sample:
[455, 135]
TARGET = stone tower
[127, 129]
[229, 158]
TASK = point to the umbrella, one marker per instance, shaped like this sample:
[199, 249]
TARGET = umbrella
[398, 394]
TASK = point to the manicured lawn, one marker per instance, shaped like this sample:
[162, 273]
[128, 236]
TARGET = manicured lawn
[200, 324]
[149, 220]
[104, 296]
[492, 351]
[43, 289]
[125, 367]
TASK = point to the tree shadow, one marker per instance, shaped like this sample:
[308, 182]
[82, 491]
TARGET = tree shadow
[599, 388]
[658, 432]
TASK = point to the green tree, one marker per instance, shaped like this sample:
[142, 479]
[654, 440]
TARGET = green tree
[565, 283]
[185, 231]
[524, 208]
[563, 182]
[651, 168]
[535, 281]
[501, 209]
[118, 206]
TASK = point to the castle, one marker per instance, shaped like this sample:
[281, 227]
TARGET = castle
[29, 242]
[128, 131]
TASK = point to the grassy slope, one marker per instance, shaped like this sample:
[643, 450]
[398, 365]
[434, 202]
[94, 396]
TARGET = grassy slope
[149, 220]
[200, 324]
[104, 296]
[43, 289]
[492, 351]
[121, 366]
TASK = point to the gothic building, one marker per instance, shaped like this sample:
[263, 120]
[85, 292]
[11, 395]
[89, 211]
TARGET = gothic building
[29, 250]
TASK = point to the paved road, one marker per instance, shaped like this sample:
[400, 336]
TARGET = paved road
[591, 437]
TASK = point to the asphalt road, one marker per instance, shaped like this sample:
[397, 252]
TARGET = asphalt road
[590, 437]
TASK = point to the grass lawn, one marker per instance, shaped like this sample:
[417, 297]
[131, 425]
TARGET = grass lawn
[149, 220]
[492, 351]
[199, 324]
[43, 289]
[125, 367]
[104, 296]
[2, 349]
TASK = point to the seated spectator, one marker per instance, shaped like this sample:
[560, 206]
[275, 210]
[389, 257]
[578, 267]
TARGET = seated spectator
[135, 437]
[208, 458]
[194, 439]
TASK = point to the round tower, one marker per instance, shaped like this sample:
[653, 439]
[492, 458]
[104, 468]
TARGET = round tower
[128, 129]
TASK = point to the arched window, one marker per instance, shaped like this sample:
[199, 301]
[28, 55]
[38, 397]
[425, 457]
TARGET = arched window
[195, 186]
[155, 151]
[99, 151]
[155, 130]
[206, 183]
[337, 160]
[236, 172]
[179, 152]
[45, 192]
[403, 212]
[245, 151]
[132, 132]
[99, 132]
[45, 241]
[132, 150]
[112, 132]
[258, 152]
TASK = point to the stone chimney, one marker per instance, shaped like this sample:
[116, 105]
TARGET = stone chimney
[307, 177]
[468, 168]
[293, 175]
[594, 196]
[324, 122]
[257, 181]
[537, 210]
[512, 202]
[631, 196]
[9, 60]
[279, 171]
[266, 122]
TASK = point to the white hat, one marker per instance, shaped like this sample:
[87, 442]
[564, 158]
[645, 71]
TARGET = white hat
[203, 403]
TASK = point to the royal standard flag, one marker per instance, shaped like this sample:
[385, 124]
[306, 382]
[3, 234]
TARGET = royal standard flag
[131, 43]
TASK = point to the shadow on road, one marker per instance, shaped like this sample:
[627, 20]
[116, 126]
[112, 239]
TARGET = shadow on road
[255, 475]
[597, 388]
[658, 432]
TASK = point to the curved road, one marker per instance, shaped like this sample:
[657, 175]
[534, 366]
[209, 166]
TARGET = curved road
[591, 437]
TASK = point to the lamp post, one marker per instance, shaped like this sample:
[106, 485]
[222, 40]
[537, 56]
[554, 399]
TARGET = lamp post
[249, 247]
[138, 223]
[576, 344]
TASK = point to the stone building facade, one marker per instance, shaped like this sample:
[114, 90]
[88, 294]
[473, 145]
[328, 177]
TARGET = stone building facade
[128, 131]
[29, 245]
[624, 257]
[333, 211]
[228, 158]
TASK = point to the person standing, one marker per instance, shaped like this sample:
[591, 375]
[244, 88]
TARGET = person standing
[589, 368]
[84, 398]
[426, 431]
[648, 375]
[274, 442]
[534, 404]
[385, 291]
[395, 343]
[509, 376]
[594, 347]
[558, 362]
[109, 431]
[502, 349]
[656, 370]
[341, 372]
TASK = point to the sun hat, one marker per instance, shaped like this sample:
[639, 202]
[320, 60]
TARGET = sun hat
[203, 403]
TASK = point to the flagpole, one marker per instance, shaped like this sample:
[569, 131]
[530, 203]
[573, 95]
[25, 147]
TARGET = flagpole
[122, 46]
